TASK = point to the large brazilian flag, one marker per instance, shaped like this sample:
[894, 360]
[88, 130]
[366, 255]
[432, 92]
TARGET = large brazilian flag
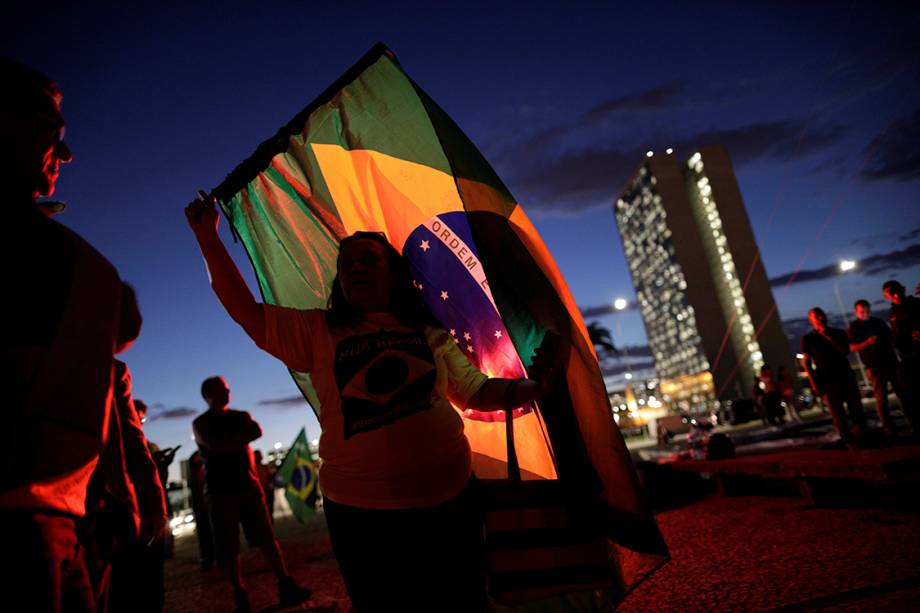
[373, 152]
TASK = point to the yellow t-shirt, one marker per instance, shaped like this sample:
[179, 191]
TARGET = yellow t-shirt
[390, 437]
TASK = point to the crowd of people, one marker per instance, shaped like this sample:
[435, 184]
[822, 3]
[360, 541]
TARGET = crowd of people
[889, 354]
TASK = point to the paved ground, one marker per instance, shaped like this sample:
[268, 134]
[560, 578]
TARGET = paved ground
[310, 561]
[744, 554]
[761, 554]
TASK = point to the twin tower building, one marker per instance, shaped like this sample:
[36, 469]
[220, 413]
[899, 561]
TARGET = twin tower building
[701, 287]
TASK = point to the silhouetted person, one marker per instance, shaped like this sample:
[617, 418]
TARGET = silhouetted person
[234, 494]
[267, 474]
[70, 314]
[200, 511]
[126, 518]
[768, 392]
[825, 353]
[872, 338]
[904, 319]
[786, 384]
[162, 458]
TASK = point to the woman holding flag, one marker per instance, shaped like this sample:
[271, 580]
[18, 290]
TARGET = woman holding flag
[396, 468]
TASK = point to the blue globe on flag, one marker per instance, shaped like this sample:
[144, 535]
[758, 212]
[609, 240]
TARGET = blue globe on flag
[303, 478]
[447, 273]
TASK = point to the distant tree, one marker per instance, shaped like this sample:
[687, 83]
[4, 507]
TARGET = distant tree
[601, 338]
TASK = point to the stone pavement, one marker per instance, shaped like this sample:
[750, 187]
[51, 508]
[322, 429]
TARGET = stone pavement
[757, 553]
[733, 553]
[309, 559]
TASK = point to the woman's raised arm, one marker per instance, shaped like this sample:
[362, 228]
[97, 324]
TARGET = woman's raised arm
[226, 280]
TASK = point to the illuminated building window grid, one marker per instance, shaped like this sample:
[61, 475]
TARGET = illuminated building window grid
[728, 279]
[692, 393]
[660, 283]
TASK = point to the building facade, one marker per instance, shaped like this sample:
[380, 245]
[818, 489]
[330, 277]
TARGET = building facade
[704, 296]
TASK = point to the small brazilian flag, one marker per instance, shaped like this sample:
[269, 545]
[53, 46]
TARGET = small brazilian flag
[298, 471]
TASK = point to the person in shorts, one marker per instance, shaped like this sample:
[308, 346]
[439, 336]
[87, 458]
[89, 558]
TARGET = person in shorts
[234, 494]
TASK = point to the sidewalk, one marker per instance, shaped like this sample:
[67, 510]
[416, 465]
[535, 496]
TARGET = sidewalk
[743, 554]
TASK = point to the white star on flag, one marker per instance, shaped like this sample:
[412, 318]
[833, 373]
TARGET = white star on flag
[470, 348]
[467, 336]
[498, 334]
[453, 332]
[425, 246]
[444, 295]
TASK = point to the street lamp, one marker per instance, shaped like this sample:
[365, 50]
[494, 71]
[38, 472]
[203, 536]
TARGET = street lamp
[846, 266]
[620, 304]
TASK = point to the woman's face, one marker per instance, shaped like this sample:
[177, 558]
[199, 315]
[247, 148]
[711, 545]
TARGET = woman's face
[364, 274]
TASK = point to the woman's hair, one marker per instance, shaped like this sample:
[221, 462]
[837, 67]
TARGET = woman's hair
[405, 302]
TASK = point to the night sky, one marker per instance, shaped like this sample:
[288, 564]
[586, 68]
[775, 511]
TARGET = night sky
[819, 108]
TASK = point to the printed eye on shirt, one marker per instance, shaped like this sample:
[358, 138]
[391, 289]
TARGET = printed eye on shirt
[383, 377]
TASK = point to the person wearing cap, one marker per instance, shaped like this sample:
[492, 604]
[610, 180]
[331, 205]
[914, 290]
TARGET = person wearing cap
[71, 314]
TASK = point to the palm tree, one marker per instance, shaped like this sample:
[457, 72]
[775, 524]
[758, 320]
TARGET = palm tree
[601, 338]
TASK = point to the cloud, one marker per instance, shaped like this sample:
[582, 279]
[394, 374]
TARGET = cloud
[283, 403]
[888, 237]
[158, 411]
[909, 235]
[663, 96]
[778, 140]
[604, 309]
[893, 153]
[596, 119]
[583, 179]
[871, 265]
[578, 181]
[616, 366]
